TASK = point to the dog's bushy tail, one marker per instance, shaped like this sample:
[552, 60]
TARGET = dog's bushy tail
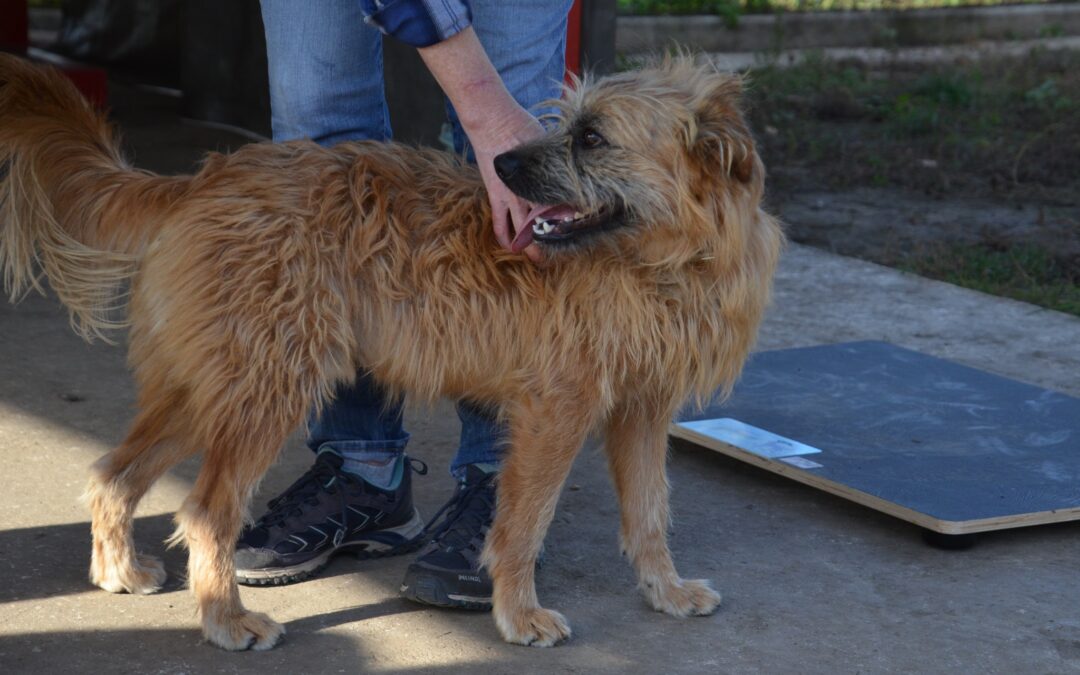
[69, 203]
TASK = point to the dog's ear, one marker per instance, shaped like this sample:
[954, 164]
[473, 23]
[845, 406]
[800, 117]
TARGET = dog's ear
[720, 138]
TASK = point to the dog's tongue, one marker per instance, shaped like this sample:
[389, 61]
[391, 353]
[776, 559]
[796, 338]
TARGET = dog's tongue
[524, 236]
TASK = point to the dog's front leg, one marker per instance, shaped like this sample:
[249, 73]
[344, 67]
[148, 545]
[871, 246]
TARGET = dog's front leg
[636, 447]
[545, 438]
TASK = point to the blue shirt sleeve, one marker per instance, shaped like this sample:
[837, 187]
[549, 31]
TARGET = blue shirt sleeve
[420, 23]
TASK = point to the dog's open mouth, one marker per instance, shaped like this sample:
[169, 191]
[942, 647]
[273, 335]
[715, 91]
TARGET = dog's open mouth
[557, 224]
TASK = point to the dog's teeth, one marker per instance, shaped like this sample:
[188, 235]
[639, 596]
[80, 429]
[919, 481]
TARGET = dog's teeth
[578, 215]
[538, 227]
[539, 220]
[548, 227]
[568, 219]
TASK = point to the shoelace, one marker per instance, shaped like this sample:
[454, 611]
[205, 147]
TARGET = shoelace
[469, 510]
[324, 476]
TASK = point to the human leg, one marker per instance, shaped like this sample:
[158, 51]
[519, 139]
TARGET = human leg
[526, 43]
[447, 572]
[325, 68]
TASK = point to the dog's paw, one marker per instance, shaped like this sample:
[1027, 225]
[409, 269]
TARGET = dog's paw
[248, 630]
[537, 627]
[142, 576]
[686, 597]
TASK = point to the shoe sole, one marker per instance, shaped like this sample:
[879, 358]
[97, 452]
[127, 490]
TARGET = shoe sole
[430, 590]
[361, 550]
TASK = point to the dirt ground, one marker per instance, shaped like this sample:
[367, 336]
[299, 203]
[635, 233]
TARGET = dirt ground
[931, 167]
[888, 224]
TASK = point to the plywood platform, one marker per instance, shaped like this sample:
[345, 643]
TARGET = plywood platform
[950, 448]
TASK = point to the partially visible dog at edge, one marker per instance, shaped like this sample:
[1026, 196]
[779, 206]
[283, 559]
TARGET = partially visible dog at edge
[275, 272]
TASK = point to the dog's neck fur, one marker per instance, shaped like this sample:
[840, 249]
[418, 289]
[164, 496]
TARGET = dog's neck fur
[412, 248]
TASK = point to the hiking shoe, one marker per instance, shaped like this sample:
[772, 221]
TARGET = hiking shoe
[325, 512]
[447, 572]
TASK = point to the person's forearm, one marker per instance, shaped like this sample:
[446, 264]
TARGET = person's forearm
[490, 117]
[468, 79]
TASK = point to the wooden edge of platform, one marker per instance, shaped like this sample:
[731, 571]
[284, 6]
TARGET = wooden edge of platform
[808, 477]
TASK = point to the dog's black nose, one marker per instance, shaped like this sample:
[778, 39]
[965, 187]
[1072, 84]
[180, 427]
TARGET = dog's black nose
[506, 165]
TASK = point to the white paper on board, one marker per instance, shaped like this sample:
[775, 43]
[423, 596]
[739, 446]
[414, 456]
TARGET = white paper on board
[801, 462]
[749, 438]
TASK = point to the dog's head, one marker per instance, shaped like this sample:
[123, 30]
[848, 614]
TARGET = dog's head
[646, 160]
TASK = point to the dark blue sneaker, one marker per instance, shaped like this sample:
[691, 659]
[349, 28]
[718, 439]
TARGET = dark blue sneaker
[447, 573]
[328, 511]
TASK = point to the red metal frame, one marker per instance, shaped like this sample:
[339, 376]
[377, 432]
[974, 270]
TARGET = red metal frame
[15, 37]
[92, 82]
[14, 25]
[573, 40]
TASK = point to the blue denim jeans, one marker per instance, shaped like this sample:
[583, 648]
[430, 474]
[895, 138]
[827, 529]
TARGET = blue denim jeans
[326, 84]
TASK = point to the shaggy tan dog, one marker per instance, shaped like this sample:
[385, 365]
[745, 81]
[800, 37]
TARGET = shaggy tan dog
[275, 272]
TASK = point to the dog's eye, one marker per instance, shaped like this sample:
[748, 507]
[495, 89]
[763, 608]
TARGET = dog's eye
[591, 139]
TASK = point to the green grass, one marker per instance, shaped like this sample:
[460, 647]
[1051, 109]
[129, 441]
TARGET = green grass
[1026, 273]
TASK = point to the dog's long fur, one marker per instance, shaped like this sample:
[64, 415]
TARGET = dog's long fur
[271, 275]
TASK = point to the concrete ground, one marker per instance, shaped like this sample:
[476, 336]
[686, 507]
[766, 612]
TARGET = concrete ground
[812, 584]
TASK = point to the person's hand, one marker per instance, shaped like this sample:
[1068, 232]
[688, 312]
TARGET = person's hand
[490, 117]
[508, 211]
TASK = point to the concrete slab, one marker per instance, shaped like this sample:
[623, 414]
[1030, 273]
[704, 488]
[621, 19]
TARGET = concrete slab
[812, 584]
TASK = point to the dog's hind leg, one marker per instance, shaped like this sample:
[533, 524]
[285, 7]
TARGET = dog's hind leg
[636, 447]
[545, 438]
[210, 520]
[118, 480]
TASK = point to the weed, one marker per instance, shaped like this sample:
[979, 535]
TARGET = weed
[913, 116]
[1048, 96]
[1026, 273]
[956, 89]
[1052, 30]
